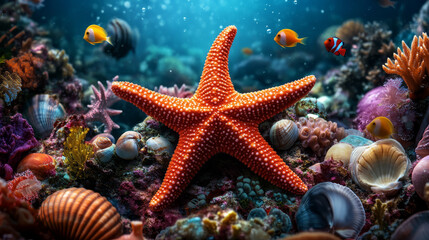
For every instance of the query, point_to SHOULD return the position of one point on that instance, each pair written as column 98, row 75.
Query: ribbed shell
column 379, row 166
column 283, row 134
column 329, row 206
column 42, row 112
column 78, row 213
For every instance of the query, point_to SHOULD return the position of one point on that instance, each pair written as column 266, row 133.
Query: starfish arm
column 190, row 154
column 252, row 150
column 264, row 104
column 175, row 113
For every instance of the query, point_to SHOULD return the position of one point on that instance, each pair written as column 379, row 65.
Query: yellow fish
column 288, row 38
column 381, row 127
column 96, row 34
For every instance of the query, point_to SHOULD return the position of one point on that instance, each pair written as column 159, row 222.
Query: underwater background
column 314, row 145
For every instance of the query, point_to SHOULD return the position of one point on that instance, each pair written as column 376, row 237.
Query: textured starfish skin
column 218, row 119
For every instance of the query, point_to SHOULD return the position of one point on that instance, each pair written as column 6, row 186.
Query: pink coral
column 319, row 134
column 99, row 107
column 183, row 92
column 390, row 101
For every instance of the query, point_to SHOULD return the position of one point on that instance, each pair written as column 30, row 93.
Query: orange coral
column 413, row 66
column 28, row 67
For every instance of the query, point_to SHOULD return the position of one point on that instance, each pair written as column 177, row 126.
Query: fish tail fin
column 108, row 40
column 303, row 40
column 342, row 51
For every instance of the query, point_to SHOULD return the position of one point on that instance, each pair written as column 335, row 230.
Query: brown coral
column 349, row 30
column 319, row 134
column 10, row 86
column 413, row 66
column 28, row 67
column 58, row 64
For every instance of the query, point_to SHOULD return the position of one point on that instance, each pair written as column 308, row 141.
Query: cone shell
column 331, row 207
column 78, row 213
column 283, row 134
column 42, row 112
column 379, row 166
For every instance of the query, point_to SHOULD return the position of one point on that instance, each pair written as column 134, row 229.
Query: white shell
column 127, row 146
column 105, row 155
column 159, row 145
column 283, row 134
column 340, row 152
column 42, row 112
column 379, row 166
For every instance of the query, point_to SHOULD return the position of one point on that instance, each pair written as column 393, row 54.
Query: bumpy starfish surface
column 218, row 119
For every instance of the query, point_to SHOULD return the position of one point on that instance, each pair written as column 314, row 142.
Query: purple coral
column 390, row 101
column 183, row 92
column 16, row 138
column 99, row 107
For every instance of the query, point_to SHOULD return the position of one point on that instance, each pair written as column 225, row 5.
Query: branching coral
column 77, row 152
column 183, row 92
column 319, row 134
column 11, row 43
column 413, row 66
column 378, row 213
column 99, row 107
column 10, row 86
column 28, row 67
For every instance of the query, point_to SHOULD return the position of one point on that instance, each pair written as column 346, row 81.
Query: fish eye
column 278, row 35
column 87, row 33
column 373, row 123
column 329, row 39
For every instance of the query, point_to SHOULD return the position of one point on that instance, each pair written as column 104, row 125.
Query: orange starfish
column 218, row 119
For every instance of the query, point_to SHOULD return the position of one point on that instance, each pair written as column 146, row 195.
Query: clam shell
column 78, row 213
column 42, row 112
column 331, row 207
column 414, row 228
column 379, row 166
column 283, row 134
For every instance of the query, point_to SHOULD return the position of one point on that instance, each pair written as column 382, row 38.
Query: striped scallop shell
column 379, row 166
column 78, row 213
column 283, row 134
column 42, row 112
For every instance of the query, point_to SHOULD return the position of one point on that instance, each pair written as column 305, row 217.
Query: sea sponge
column 29, row 68
column 413, row 66
column 319, row 134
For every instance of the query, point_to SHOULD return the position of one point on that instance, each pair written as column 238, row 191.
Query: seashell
column 127, row 146
column 159, row 145
column 136, row 232
column 420, row 176
column 105, row 155
column 108, row 135
column 78, row 213
column 331, row 207
column 414, row 228
column 283, row 134
column 379, row 166
column 312, row 236
column 42, row 112
column 340, row 152
column 100, row 142
column 42, row 165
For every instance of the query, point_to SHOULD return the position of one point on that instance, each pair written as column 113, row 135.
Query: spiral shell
column 78, row 213
column 283, row 134
column 331, row 207
column 42, row 112
column 379, row 166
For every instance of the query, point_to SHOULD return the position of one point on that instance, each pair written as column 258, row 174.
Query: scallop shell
column 414, row 228
column 283, row 134
column 78, row 213
column 331, row 207
column 379, row 166
column 42, row 112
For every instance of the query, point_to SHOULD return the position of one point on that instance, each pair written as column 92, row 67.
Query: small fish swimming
column 96, row 34
column 288, row 38
column 335, row 45
column 381, row 127
column 247, row 51
column 386, row 3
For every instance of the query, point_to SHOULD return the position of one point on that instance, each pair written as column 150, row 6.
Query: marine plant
column 10, row 86
column 413, row 66
column 378, row 213
column 77, row 152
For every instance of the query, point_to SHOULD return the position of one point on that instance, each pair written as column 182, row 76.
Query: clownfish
column 335, row 45
column 288, row 38
column 96, row 34
column 381, row 127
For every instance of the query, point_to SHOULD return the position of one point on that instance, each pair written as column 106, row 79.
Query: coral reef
column 348, row 30
column 77, row 152
column 24, row 186
column 319, row 134
column 11, row 43
column 10, row 86
column 413, row 66
column 58, row 64
column 183, row 92
column 16, row 138
column 29, row 69
column 390, row 101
